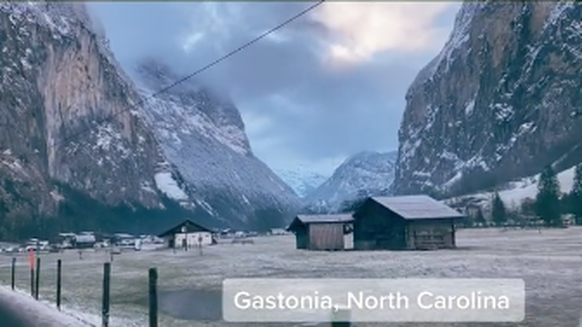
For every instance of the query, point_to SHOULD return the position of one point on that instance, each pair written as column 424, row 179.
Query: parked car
column 12, row 249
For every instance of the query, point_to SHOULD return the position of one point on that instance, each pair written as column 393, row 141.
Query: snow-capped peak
column 301, row 180
column 366, row 172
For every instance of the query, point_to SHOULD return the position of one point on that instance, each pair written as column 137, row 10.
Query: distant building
column 321, row 232
column 66, row 240
column 82, row 241
column 415, row 222
column 278, row 231
column 187, row 234
column 124, row 239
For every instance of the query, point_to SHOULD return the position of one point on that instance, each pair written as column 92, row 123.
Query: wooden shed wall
column 302, row 237
column 431, row 234
column 326, row 236
column 377, row 228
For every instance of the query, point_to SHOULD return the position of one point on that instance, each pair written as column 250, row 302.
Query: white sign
column 374, row 300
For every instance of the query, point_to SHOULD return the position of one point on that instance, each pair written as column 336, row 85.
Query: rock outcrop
column 499, row 102
column 82, row 147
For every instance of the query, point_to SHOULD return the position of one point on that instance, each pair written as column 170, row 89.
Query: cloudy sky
column 322, row 88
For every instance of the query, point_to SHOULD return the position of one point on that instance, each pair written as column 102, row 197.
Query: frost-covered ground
column 39, row 313
column 550, row 262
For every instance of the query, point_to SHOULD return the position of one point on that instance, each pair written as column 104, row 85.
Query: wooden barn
column 415, row 222
column 187, row 234
column 321, row 232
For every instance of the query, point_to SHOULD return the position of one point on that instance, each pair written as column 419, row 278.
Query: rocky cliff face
column 363, row 174
column 58, row 79
column 76, row 148
column 499, row 102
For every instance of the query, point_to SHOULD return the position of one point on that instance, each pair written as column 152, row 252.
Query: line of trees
column 549, row 204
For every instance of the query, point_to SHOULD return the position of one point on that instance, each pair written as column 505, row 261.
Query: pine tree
column 480, row 218
column 548, row 198
column 527, row 207
column 498, row 211
column 575, row 198
column 351, row 205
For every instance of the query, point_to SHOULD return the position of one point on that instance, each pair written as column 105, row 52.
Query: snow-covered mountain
column 58, row 79
column 301, row 180
column 81, row 147
column 499, row 102
column 203, row 135
column 364, row 174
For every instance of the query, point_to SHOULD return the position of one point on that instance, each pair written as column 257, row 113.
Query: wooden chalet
column 321, row 232
column 415, row 222
column 187, row 234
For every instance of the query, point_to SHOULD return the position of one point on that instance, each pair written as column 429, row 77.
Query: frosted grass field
column 550, row 263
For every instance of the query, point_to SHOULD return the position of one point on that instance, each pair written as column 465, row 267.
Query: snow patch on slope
column 515, row 192
column 167, row 184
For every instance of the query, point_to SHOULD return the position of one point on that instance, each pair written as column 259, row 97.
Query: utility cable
column 204, row 68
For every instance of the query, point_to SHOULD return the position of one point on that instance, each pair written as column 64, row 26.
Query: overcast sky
column 324, row 87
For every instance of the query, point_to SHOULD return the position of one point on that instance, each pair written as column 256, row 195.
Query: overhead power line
column 204, row 68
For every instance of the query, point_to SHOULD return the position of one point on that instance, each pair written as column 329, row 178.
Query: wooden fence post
column 341, row 317
column 106, row 285
column 153, row 279
column 32, row 281
column 13, row 272
column 37, row 281
column 59, row 267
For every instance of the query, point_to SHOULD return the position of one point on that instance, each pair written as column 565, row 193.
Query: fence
column 35, row 279
column 35, row 282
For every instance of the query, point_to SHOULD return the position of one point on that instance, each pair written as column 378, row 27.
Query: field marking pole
column 37, row 281
column 59, row 267
column 13, row 272
column 340, row 317
column 31, row 258
column 106, row 285
column 153, row 298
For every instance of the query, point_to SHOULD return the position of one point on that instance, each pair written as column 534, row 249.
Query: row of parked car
column 33, row 244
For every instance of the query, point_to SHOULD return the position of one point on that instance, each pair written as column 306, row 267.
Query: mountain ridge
column 77, row 150
column 201, row 131
column 363, row 174
column 301, row 180
column 496, row 103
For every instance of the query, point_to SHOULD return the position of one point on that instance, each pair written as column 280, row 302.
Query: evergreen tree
column 575, row 196
column 527, row 207
column 480, row 218
column 548, row 198
column 267, row 218
column 498, row 211
column 351, row 205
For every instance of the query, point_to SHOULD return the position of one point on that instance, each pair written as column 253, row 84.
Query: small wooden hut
column 321, row 232
column 415, row 222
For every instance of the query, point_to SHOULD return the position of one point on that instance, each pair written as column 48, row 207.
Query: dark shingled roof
column 417, row 207
column 191, row 227
column 319, row 219
column 313, row 219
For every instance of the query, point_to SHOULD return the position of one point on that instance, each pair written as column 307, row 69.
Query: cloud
column 326, row 86
column 362, row 30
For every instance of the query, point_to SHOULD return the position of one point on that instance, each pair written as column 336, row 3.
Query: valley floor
column 550, row 262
